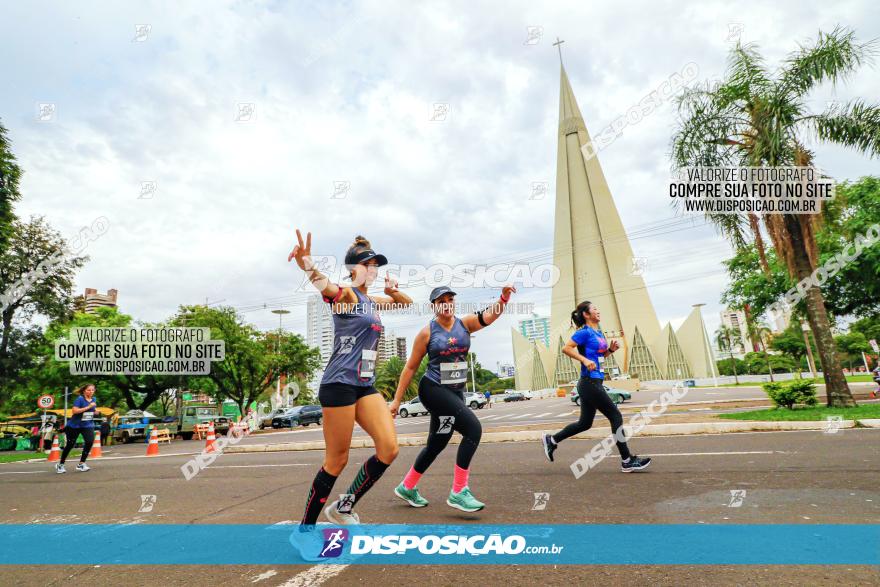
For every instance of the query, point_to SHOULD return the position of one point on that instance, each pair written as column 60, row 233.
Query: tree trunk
column 836, row 388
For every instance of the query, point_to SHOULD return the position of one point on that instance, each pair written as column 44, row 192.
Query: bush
column 790, row 393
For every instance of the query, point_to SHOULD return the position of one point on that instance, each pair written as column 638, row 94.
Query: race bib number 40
column 453, row 373
column 368, row 364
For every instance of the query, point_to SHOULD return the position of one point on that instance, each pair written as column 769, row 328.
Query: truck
column 191, row 415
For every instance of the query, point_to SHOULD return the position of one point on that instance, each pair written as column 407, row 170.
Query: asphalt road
column 789, row 477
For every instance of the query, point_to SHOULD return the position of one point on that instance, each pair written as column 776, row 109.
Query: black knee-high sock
column 321, row 488
column 368, row 474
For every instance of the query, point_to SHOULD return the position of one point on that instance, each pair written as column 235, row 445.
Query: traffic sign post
column 45, row 402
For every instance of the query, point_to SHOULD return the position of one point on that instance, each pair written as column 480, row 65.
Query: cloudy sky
column 246, row 117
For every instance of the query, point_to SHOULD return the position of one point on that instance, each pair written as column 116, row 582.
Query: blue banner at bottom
column 524, row 544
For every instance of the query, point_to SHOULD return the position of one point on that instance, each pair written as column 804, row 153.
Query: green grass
column 856, row 378
column 851, row 378
column 23, row 455
column 802, row 414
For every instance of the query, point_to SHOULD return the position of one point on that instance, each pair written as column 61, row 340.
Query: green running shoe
column 410, row 496
column 465, row 501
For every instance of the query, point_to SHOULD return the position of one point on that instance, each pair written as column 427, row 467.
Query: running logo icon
column 446, row 424
column 346, row 344
column 737, row 496
column 147, row 503
column 346, row 502
column 334, row 541
column 541, row 500
column 833, row 424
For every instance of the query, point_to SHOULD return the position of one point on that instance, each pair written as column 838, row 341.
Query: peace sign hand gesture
column 302, row 252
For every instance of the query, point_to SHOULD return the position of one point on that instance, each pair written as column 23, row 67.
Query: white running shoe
column 83, row 467
column 59, row 468
column 341, row 518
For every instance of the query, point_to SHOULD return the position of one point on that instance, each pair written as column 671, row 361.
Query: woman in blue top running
column 346, row 392
column 446, row 341
column 81, row 422
column 589, row 348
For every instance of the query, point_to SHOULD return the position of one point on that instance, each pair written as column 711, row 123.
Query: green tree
column 855, row 288
column 253, row 359
column 791, row 343
column 10, row 175
column 388, row 376
column 851, row 345
column 36, row 278
column 134, row 392
column 727, row 339
column 758, row 118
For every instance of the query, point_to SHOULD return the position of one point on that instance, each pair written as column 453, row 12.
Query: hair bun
column 362, row 241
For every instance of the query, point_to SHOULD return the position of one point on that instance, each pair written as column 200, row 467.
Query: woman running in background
column 81, row 422
column 589, row 348
column 446, row 341
column 346, row 392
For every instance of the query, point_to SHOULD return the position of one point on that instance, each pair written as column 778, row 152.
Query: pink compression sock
column 460, row 479
column 412, row 478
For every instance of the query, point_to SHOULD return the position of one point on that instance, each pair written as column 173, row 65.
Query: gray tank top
column 447, row 354
column 355, row 341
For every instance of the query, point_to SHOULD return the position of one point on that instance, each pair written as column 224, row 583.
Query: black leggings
column 88, row 435
column 444, row 402
column 593, row 397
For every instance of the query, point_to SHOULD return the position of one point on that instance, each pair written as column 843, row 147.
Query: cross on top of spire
column 558, row 45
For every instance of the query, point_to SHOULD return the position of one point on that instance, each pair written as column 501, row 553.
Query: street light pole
column 281, row 313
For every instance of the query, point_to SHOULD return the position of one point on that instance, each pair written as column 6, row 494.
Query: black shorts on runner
column 337, row 395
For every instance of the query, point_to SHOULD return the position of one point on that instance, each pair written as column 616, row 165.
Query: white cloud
column 345, row 92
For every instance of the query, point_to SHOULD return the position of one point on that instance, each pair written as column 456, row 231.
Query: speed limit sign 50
column 46, row 401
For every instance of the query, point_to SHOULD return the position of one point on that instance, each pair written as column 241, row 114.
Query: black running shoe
column 549, row 447
column 635, row 464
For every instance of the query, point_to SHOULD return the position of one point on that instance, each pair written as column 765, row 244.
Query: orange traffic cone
column 153, row 447
column 96, row 448
column 209, row 441
column 55, row 453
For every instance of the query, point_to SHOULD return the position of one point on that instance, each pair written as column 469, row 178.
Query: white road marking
column 21, row 472
column 314, row 576
column 521, row 416
column 266, row 575
column 544, row 414
column 704, row 454
column 255, row 466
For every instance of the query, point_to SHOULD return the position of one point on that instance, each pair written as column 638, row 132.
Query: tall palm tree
column 756, row 117
column 726, row 338
column 760, row 334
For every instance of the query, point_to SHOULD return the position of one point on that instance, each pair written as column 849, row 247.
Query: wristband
column 503, row 301
column 309, row 264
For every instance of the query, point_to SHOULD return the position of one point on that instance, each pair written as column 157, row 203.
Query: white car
column 413, row 407
column 474, row 400
column 527, row 393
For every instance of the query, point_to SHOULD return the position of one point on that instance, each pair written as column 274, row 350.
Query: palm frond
column 855, row 125
column 834, row 56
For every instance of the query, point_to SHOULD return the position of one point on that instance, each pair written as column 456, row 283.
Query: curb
column 535, row 435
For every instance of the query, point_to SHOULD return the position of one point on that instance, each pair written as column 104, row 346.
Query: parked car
column 514, row 397
column 193, row 415
column 132, row 426
column 413, row 407
column 300, row 415
column 618, row 396
column 266, row 421
column 526, row 393
column 474, row 400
